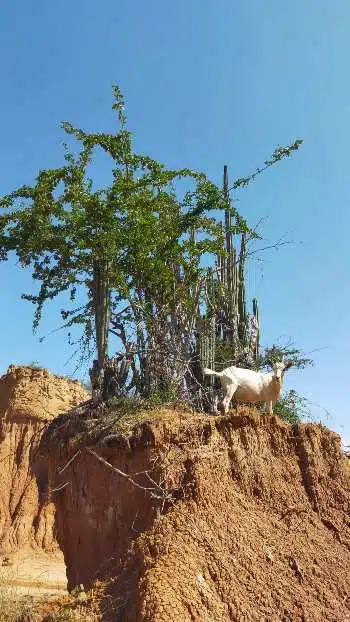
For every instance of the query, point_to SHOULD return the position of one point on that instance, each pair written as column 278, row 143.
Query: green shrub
column 292, row 407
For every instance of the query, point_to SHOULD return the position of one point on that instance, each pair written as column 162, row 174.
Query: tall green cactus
column 227, row 333
column 243, row 320
column 255, row 332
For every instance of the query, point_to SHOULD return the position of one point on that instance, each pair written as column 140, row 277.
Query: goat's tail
column 210, row 372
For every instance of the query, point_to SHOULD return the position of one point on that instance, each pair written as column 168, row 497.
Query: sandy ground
column 34, row 573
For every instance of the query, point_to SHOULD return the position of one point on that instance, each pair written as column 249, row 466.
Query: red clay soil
column 245, row 518
column 29, row 399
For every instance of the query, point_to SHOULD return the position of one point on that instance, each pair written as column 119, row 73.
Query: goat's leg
column 268, row 408
column 229, row 392
column 215, row 405
column 234, row 404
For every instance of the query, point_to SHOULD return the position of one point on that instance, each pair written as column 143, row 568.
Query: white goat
column 247, row 386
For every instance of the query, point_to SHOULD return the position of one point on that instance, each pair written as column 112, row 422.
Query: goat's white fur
column 245, row 385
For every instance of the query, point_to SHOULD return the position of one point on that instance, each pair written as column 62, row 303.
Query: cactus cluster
column 227, row 334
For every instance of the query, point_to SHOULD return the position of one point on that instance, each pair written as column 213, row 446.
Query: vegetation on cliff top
column 133, row 258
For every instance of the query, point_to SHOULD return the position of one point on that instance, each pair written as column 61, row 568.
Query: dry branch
column 155, row 491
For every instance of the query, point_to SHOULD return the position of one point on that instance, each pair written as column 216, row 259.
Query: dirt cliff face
column 239, row 518
column 29, row 398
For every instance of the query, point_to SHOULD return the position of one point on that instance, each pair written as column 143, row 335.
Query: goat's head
column 277, row 370
column 279, row 367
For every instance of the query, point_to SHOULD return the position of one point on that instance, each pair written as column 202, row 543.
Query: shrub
column 292, row 407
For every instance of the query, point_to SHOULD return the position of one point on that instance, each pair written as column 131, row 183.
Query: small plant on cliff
column 292, row 407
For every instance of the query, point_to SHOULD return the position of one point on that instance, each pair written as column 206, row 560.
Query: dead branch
column 60, row 487
column 155, row 491
column 60, row 471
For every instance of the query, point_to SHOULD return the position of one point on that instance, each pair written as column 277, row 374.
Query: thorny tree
column 135, row 248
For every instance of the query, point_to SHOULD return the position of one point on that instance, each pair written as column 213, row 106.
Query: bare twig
column 61, row 487
column 69, row 462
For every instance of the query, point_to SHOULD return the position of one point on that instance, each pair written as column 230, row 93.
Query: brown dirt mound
column 241, row 518
column 29, row 398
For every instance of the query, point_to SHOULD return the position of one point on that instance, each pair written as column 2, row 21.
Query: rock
column 29, row 398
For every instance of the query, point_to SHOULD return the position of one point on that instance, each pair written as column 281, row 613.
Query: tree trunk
column 101, row 304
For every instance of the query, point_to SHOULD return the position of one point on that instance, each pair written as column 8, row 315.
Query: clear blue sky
column 206, row 84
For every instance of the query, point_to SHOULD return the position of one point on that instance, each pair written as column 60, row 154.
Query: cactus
column 255, row 330
column 243, row 321
column 227, row 332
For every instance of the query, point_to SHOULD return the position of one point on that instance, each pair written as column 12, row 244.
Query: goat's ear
column 288, row 365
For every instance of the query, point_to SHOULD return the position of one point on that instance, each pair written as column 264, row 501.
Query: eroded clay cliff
column 29, row 399
column 240, row 518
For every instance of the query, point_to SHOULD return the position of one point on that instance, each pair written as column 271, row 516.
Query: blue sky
column 206, row 84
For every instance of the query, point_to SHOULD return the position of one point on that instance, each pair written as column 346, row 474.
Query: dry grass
column 17, row 607
column 69, row 611
column 12, row 606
